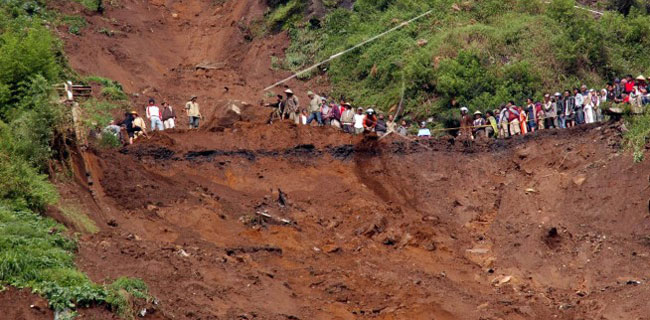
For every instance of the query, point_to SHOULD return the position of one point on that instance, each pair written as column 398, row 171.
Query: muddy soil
column 250, row 221
column 553, row 225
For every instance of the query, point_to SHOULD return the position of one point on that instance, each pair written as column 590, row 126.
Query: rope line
column 336, row 55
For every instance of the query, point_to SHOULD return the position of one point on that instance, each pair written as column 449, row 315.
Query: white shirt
column 153, row 111
column 358, row 121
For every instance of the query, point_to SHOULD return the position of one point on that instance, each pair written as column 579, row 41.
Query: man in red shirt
column 629, row 85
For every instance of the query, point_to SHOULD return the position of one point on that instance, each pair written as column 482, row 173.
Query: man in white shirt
column 154, row 114
column 358, row 121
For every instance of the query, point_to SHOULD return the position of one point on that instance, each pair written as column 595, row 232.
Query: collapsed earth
column 242, row 219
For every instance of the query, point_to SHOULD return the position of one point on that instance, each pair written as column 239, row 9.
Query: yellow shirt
column 192, row 109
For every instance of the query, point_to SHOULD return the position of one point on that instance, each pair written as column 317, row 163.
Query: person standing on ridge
column 291, row 107
column 168, row 116
column 193, row 112
column 277, row 109
column 466, row 123
column 347, row 118
column 315, row 102
column 154, row 114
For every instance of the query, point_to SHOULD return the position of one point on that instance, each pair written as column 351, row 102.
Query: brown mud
column 551, row 225
column 251, row 221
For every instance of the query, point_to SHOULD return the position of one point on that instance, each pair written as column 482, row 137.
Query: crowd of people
column 160, row 118
column 560, row 110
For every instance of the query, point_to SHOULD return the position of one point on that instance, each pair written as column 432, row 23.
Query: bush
column 481, row 55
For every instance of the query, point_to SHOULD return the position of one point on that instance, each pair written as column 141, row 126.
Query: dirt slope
column 553, row 225
column 171, row 49
column 548, row 226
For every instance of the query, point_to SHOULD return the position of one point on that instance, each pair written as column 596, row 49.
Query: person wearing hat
column 314, row 108
column 479, row 124
column 130, row 125
column 139, row 122
column 154, row 115
column 347, row 118
column 359, row 117
column 193, row 112
column 291, row 107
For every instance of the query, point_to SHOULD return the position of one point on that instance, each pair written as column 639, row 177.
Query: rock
column 579, row 179
column 112, row 223
column 183, row 253
column 455, row 7
column 175, row 15
column 530, row 190
column 331, row 248
column 39, row 305
column 422, row 42
column 478, row 250
column 499, row 281
column 151, row 207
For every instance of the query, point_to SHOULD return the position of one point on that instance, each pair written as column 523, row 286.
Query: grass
column 35, row 253
column 638, row 135
column 78, row 218
column 75, row 24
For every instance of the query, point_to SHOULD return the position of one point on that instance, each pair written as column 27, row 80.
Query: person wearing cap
column 168, row 116
column 315, row 102
column 358, row 121
column 370, row 120
column 154, row 115
column 291, row 107
column 347, row 118
column 424, row 132
column 193, row 112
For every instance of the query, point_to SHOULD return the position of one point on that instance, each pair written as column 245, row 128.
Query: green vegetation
column 35, row 251
column 476, row 53
column 75, row 215
column 75, row 24
column 93, row 5
column 638, row 135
